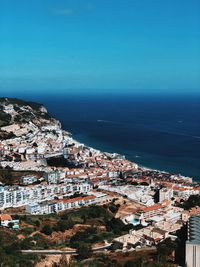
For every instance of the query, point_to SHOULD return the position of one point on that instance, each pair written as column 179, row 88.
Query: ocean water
column 159, row 132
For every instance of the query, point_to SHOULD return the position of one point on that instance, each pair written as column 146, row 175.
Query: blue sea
column 159, row 132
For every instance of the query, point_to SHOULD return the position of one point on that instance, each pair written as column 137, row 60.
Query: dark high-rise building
column 193, row 242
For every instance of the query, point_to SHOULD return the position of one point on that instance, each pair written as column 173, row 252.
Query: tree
column 37, row 223
column 100, row 259
column 132, row 264
column 165, row 248
column 84, row 251
column 193, row 201
column 113, row 208
column 156, row 196
column 116, row 245
column 64, row 225
column 84, row 218
column 144, row 184
column 134, row 183
column 46, row 229
column 115, row 225
column 10, row 224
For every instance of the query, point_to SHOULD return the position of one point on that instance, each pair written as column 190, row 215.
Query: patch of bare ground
column 122, row 258
column 49, row 260
column 127, row 206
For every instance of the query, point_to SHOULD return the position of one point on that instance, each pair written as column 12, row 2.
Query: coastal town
column 45, row 171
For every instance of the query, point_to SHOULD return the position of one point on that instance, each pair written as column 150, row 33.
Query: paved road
column 48, row 251
column 55, row 251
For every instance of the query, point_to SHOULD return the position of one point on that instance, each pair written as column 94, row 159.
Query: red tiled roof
column 151, row 208
column 76, row 199
column 20, row 236
column 5, row 217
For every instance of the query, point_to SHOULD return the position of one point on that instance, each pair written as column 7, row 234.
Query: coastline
column 150, row 130
column 142, row 167
column 84, row 130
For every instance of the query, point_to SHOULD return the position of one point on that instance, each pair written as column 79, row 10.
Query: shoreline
column 195, row 177
column 145, row 168
column 186, row 162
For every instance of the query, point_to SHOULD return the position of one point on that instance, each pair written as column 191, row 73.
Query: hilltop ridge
column 13, row 110
column 29, row 135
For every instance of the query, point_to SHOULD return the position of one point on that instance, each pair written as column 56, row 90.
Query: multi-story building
column 26, row 180
column 185, row 192
column 165, row 194
column 16, row 196
column 148, row 212
column 193, row 242
column 58, row 205
column 55, row 177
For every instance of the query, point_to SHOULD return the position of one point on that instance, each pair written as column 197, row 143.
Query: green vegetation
column 6, row 176
column 89, row 236
column 10, row 254
column 5, row 118
column 23, row 116
column 100, row 221
column 47, row 230
column 99, row 224
column 5, row 135
column 20, row 102
column 165, row 249
column 192, row 201
column 35, row 242
column 84, row 251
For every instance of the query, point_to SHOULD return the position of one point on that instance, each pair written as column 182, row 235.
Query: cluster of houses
column 33, row 143
column 153, row 222
column 157, row 222
column 140, row 194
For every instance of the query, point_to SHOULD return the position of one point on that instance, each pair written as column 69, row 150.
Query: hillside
column 13, row 110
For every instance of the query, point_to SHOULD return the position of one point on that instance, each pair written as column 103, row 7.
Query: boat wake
column 106, row 121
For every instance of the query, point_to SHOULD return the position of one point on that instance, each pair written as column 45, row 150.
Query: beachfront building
column 193, row 242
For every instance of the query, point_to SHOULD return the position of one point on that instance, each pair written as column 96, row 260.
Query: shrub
column 46, row 229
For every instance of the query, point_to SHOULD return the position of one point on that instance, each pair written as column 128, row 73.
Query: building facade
column 193, row 242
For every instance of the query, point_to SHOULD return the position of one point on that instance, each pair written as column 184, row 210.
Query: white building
column 60, row 205
column 16, row 196
column 26, row 180
column 55, row 177
column 165, row 194
column 6, row 220
column 185, row 192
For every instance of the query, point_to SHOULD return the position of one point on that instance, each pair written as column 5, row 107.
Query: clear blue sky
column 100, row 45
